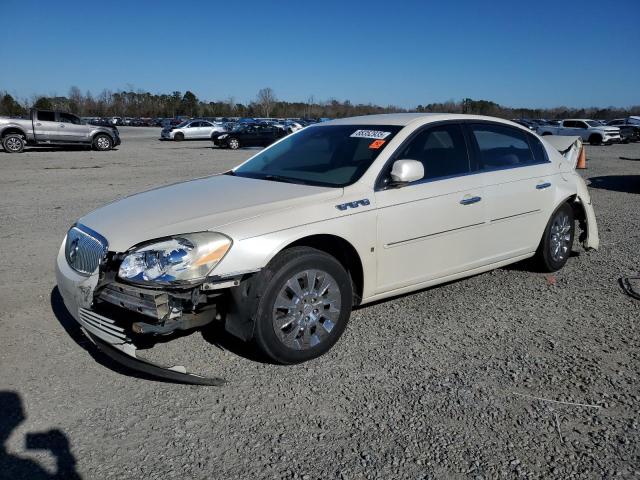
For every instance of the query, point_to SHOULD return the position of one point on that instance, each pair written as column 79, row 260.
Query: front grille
column 85, row 249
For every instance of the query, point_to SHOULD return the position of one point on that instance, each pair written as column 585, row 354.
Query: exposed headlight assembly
column 178, row 260
column 224, row 135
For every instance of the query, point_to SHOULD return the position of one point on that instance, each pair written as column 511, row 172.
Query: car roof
column 404, row 119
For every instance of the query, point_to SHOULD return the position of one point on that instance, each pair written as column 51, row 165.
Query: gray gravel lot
column 436, row 384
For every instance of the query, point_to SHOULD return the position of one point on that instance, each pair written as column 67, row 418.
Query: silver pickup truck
column 49, row 128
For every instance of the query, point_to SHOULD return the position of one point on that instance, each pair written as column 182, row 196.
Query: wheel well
column 11, row 130
column 579, row 214
column 342, row 251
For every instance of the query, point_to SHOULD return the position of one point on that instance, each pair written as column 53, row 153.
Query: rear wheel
column 102, row 142
column 595, row 139
column 555, row 246
column 304, row 306
column 13, row 143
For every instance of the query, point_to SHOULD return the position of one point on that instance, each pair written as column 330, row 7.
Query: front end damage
column 123, row 319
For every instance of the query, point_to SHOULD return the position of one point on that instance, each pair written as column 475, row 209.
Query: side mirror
column 406, row 171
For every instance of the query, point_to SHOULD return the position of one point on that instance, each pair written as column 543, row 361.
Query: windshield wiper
column 278, row 178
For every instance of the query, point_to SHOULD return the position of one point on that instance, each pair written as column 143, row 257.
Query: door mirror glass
column 406, row 171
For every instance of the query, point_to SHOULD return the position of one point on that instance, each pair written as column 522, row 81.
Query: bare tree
column 266, row 100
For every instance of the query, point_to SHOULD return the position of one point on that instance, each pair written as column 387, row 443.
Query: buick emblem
column 73, row 250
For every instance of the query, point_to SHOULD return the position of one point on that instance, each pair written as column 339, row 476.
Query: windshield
column 183, row 124
column 593, row 123
column 333, row 156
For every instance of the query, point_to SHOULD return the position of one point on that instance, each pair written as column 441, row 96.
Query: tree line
column 266, row 104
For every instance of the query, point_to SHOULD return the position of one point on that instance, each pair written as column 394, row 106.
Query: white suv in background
column 191, row 130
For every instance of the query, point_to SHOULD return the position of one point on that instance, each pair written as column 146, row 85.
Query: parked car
column 52, row 128
column 343, row 213
column 191, row 130
column 629, row 129
column 589, row 130
column 249, row 135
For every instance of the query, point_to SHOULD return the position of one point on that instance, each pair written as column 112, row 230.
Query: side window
column 194, row 124
column 68, row 118
column 46, row 116
column 539, row 152
column 441, row 150
column 569, row 124
column 501, row 146
column 581, row 125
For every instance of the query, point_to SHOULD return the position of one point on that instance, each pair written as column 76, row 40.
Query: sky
column 576, row 53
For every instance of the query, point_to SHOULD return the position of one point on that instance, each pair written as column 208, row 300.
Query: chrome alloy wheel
column 13, row 144
column 306, row 309
column 234, row 144
column 103, row 143
column 560, row 236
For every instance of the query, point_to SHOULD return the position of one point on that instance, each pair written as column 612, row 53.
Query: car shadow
column 617, row 183
column 216, row 335
column 53, row 441
column 75, row 332
column 70, row 148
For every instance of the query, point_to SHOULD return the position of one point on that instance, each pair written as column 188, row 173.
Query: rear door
column 71, row 129
column 45, row 126
column 519, row 184
column 434, row 227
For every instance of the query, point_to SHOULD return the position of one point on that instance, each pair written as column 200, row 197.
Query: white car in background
column 191, row 130
column 590, row 131
column 339, row 214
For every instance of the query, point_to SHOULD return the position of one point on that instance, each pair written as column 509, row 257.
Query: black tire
column 178, row 137
column 102, row 142
column 546, row 258
column 595, row 139
column 233, row 143
column 13, row 143
column 306, row 321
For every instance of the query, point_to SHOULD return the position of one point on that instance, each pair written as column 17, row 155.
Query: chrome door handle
column 542, row 186
column 61, row 126
column 38, row 124
column 469, row 201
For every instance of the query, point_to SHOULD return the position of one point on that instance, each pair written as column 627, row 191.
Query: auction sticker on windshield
column 374, row 134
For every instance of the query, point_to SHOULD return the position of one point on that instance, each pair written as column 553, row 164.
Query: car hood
column 209, row 203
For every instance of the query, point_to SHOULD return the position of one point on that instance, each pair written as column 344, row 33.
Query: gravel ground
column 436, row 384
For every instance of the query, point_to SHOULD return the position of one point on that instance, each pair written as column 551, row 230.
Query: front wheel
column 13, row 143
column 595, row 139
column 304, row 306
column 102, row 143
column 233, row 144
column 555, row 246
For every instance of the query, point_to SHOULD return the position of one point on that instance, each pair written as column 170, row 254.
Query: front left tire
column 304, row 306
column 13, row 143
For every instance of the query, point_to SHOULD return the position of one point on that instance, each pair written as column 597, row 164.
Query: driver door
column 436, row 226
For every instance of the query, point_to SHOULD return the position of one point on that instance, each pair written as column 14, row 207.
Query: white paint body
column 407, row 238
column 580, row 128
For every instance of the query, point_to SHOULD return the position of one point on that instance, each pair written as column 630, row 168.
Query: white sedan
column 339, row 214
column 191, row 130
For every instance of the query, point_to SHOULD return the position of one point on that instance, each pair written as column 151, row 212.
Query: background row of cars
column 244, row 132
column 596, row 132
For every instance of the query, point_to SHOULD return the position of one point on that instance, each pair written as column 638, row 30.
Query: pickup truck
column 591, row 131
column 52, row 128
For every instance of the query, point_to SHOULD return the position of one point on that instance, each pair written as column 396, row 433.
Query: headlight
column 181, row 259
column 224, row 135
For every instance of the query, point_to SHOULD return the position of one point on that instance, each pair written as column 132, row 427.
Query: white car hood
column 208, row 203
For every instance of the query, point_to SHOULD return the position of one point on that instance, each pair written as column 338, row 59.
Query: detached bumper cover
column 113, row 340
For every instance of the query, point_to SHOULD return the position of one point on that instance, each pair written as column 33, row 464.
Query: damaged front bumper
column 118, row 318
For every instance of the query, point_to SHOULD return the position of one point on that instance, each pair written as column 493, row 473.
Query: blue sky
column 518, row 53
